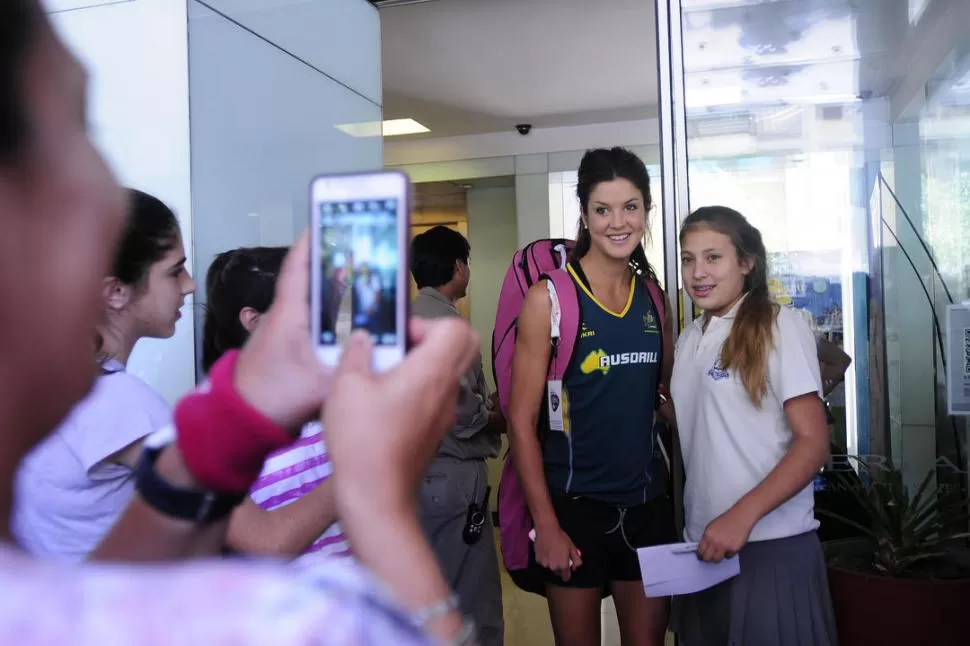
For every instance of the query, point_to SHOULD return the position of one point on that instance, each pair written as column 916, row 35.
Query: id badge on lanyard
column 554, row 404
column 554, row 400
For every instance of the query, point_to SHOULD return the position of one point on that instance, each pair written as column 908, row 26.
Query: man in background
column 454, row 506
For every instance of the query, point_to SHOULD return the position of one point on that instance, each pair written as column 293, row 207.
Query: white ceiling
column 472, row 66
column 476, row 66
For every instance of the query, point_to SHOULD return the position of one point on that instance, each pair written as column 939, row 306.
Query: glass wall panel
column 135, row 55
column 942, row 217
column 784, row 111
column 839, row 128
column 261, row 130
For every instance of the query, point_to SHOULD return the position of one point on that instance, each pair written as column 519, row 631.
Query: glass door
column 811, row 119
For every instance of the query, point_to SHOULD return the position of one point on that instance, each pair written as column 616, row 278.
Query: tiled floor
column 527, row 619
column 526, row 616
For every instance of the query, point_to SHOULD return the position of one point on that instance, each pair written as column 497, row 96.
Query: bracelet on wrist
column 423, row 616
column 443, row 608
column 467, row 636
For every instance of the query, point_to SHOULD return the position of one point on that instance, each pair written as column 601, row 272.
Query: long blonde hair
column 751, row 339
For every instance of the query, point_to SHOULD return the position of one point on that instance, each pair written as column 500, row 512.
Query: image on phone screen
column 359, row 265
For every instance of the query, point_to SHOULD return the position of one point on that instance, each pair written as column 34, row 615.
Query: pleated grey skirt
column 781, row 598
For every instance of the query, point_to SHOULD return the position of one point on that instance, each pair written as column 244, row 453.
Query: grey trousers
column 449, row 487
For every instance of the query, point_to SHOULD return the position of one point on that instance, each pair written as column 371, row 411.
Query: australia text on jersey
column 599, row 360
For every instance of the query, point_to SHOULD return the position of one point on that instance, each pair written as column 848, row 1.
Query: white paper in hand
column 675, row 569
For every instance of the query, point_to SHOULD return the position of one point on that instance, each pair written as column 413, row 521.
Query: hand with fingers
column 725, row 535
column 383, row 429
column 493, row 402
column 555, row 551
column 278, row 371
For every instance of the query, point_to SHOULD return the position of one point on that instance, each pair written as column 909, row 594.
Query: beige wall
column 492, row 234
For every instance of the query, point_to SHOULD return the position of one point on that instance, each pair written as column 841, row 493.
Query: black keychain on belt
column 475, row 520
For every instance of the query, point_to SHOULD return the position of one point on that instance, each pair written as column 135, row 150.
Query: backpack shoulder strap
column 657, row 296
column 564, row 320
column 660, row 304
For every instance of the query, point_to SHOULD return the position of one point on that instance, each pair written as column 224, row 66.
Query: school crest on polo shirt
column 717, row 371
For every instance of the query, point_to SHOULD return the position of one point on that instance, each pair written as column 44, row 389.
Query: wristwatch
column 196, row 505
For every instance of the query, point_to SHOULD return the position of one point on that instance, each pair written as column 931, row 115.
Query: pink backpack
column 540, row 259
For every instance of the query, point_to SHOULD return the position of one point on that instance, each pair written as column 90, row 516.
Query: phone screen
column 359, row 264
column 360, row 229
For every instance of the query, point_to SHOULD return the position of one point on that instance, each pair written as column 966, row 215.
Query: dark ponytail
column 605, row 165
column 236, row 279
column 641, row 266
column 583, row 242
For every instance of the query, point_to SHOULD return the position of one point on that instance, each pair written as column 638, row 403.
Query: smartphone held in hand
column 360, row 228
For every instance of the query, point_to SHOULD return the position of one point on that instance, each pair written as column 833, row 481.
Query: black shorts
column 608, row 538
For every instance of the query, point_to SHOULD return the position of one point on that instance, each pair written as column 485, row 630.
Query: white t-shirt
column 67, row 496
column 729, row 445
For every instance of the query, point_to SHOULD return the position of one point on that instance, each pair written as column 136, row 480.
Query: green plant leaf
column 883, row 512
column 938, row 515
column 906, row 530
column 946, row 539
column 921, row 490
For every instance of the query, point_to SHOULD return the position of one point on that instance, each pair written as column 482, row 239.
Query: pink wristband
column 222, row 438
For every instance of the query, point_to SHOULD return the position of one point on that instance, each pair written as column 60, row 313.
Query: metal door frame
column 674, row 184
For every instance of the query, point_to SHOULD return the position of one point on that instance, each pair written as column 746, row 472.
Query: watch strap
column 198, row 506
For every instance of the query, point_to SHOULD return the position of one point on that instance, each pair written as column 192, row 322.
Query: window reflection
column 857, row 172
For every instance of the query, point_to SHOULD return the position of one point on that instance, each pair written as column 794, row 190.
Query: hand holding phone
column 360, row 226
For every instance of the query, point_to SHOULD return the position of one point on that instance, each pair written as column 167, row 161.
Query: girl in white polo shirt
column 747, row 394
column 73, row 486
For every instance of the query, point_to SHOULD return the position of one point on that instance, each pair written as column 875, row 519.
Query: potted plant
column 906, row 581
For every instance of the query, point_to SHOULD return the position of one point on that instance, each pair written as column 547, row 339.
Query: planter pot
column 882, row 611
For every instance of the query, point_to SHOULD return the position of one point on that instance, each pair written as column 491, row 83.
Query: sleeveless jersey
column 605, row 451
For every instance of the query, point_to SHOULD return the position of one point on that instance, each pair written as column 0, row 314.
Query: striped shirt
column 293, row 472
